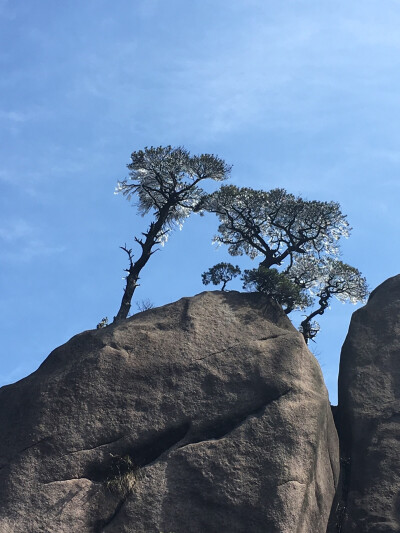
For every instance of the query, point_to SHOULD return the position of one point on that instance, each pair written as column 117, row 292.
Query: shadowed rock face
column 369, row 416
column 205, row 415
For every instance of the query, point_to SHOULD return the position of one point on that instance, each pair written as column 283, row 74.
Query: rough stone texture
column 369, row 416
column 215, row 398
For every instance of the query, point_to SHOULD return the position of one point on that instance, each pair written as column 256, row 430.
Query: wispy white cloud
column 22, row 242
column 5, row 176
column 389, row 155
column 14, row 116
column 28, row 251
column 280, row 69
column 19, row 176
column 15, row 230
column 52, row 162
column 274, row 67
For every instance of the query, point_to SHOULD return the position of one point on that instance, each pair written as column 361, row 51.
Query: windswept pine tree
column 297, row 242
column 165, row 182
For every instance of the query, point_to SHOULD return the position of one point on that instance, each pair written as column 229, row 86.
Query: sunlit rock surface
column 369, row 417
column 205, row 415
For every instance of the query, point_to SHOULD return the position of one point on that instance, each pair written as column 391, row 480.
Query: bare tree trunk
column 151, row 239
column 130, row 287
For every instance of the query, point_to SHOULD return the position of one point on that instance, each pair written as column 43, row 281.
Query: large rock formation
column 206, row 415
column 369, row 417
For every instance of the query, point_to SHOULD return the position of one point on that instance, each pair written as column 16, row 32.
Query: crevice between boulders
column 339, row 505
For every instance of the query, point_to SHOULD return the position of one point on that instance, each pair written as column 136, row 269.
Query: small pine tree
column 220, row 273
column 277, row 286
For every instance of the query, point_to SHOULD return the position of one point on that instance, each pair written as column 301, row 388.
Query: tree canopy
column 296, row 240
column 275, row 224
column 220, row 273
column 327, row 278
column 299, row 237
column 276, row 285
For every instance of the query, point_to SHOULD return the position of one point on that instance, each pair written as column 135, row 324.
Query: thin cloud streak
column 30, row 251
column 21, row 243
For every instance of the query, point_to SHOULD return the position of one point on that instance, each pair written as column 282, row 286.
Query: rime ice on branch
column 297, row 236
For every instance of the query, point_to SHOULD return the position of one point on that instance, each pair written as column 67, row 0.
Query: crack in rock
column 65, row 480
column 44, row 439
column 224, row 426
column 148, row 451
column 218, row 352
column 158, row 444
column 291, row 481
column 102, row 525
column 335, row 481
column 95, row 447
column 153, row 448
column 274, row 336
column 271, row 337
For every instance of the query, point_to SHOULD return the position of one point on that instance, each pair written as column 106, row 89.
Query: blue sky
column 303, row 95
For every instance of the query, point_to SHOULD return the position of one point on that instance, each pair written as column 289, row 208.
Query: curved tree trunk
column 151, row 239
column 306, row 323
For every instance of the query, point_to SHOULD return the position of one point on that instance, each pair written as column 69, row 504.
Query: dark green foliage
column 220, row 273
column 276, row 285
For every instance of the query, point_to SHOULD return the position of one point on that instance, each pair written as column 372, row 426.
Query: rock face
column 205, row 415
column 369, row 416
